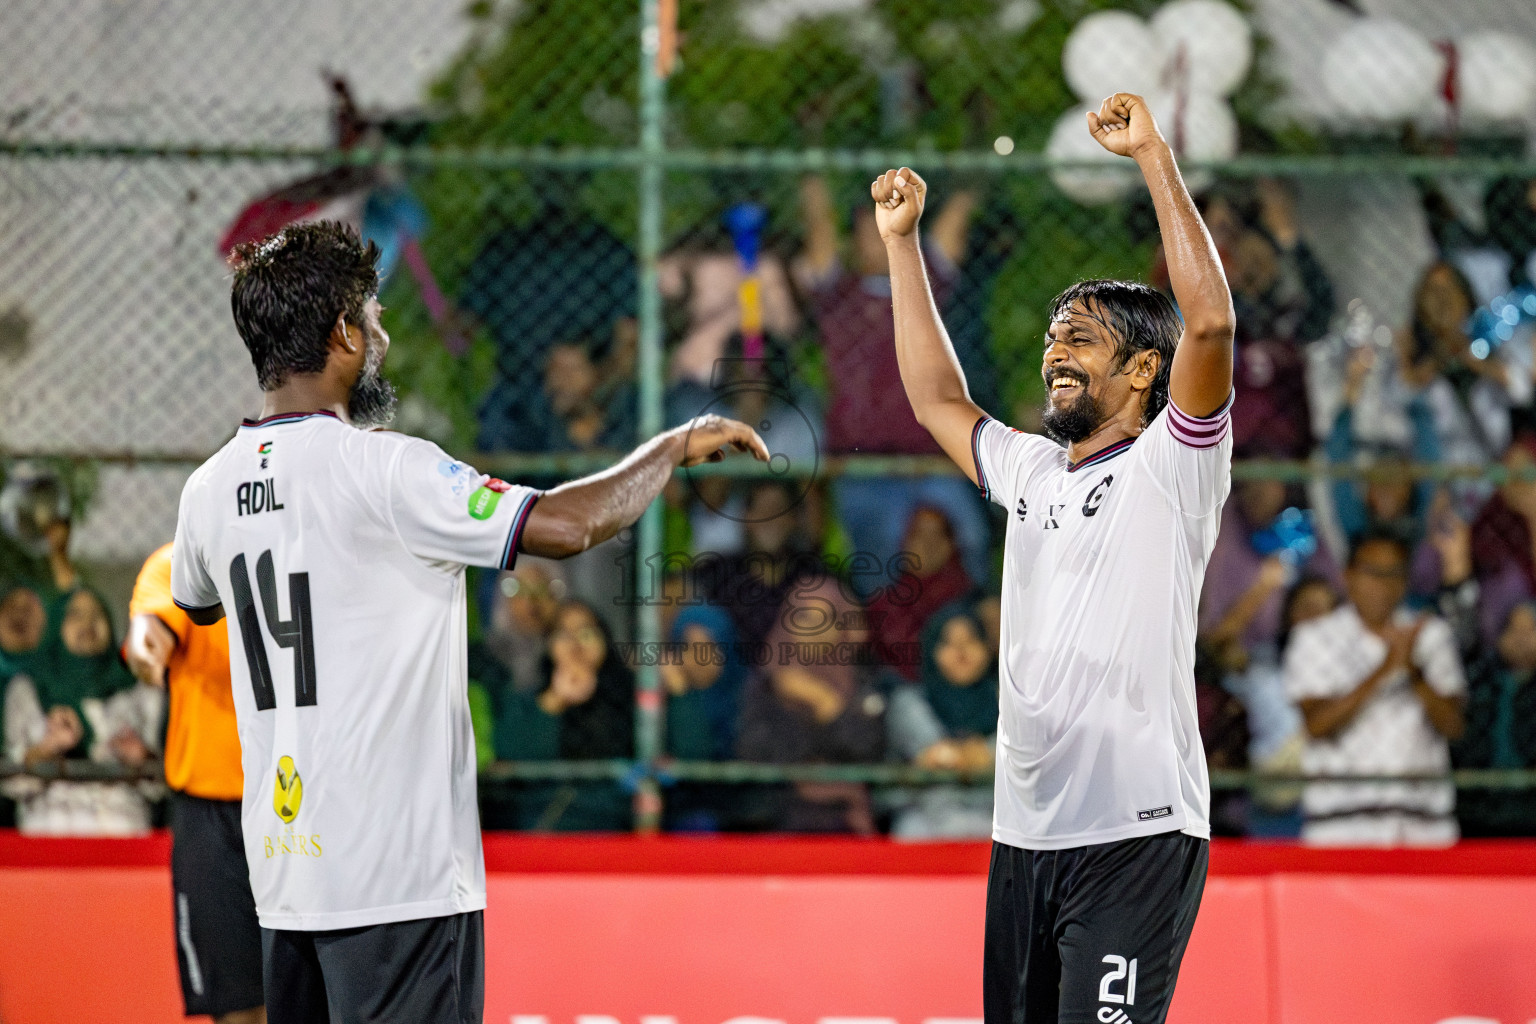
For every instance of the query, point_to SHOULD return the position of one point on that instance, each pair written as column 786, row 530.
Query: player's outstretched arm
column 930, row 373
column 583, row 513
column 1201, row 380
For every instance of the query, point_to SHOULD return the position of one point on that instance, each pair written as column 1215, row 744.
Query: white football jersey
column 338, row 555
column 1098, row 735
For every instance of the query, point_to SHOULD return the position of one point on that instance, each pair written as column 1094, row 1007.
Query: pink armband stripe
column 981, row 476
column 1201, row 431
column 515, row 536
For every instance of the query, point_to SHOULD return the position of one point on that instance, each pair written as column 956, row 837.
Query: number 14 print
column 297, row 632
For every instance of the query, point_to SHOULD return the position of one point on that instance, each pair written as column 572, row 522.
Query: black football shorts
column 218, row 940
column 1092, row 934
column 429, row 971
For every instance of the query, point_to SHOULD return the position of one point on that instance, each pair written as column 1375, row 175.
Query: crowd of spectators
column 68, row 694
column 1357, row 619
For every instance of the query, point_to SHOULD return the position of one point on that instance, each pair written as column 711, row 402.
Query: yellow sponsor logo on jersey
column 289, row 792
column 291, row 844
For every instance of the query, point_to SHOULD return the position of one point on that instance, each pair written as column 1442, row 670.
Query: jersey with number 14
column 338, row 556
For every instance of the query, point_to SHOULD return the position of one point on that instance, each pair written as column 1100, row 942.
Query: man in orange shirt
column 218, row 940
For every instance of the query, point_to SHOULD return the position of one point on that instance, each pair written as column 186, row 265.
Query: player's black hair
column 1139, row 317
column 1381, row 534
column 290, row 287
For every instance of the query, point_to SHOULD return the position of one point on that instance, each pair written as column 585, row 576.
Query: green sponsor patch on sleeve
column 483, row 502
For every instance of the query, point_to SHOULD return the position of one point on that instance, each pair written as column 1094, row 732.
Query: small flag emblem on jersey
column 265, row 449
column 289, row 792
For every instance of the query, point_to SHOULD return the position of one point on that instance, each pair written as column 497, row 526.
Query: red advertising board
column 1404, row 949
column 582, row 949
column 662, row 932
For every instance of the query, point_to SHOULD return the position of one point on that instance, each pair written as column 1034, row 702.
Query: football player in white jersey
column 339, row 555
column 1101, row 829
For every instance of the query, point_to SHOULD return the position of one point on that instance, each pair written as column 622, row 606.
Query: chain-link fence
column 600, row 217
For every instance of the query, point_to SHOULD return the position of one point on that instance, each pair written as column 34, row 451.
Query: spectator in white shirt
column 1380, row 688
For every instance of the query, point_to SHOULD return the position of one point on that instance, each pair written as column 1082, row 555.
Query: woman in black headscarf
column 948, row 720
column 816, row 702
column 72, row 697
column 584, row 711
column 1501, row 729
column 703, row 681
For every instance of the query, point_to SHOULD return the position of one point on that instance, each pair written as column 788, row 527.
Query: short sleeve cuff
column 194, row 607
column 981, row 474
column 1201, row 431
column 195, row 612
column 515, row 535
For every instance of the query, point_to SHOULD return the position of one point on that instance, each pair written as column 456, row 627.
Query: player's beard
column 1077, row 421
column 372, row 401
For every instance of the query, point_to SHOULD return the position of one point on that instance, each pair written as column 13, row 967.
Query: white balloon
column 769, row 21
column 1091, row 186
column 1199, row 127
column 1110, row 52
column 1216, row 40
column 1382, row 70
column 1496, row 77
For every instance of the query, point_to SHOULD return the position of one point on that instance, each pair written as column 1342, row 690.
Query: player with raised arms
column 1101, row 829
column 338, row 553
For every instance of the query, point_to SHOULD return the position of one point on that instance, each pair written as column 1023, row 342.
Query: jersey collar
column 287, row 417
column 1103, row 455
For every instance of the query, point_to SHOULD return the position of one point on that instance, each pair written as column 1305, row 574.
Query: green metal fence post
column 648, row 721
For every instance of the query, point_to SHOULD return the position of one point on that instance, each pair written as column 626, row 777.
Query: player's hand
column 1124, row 125
column 708, row 438
column 148, row 649
column 899, row 197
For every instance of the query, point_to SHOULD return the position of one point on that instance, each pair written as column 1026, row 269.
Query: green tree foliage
column 916, row 75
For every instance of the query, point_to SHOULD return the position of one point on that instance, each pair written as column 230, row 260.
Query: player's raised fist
column 1124, row 125
column 708, row 438
column 899, row 196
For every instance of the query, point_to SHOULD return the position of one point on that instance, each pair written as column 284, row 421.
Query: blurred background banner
column 602, row 217
column 584, row 931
